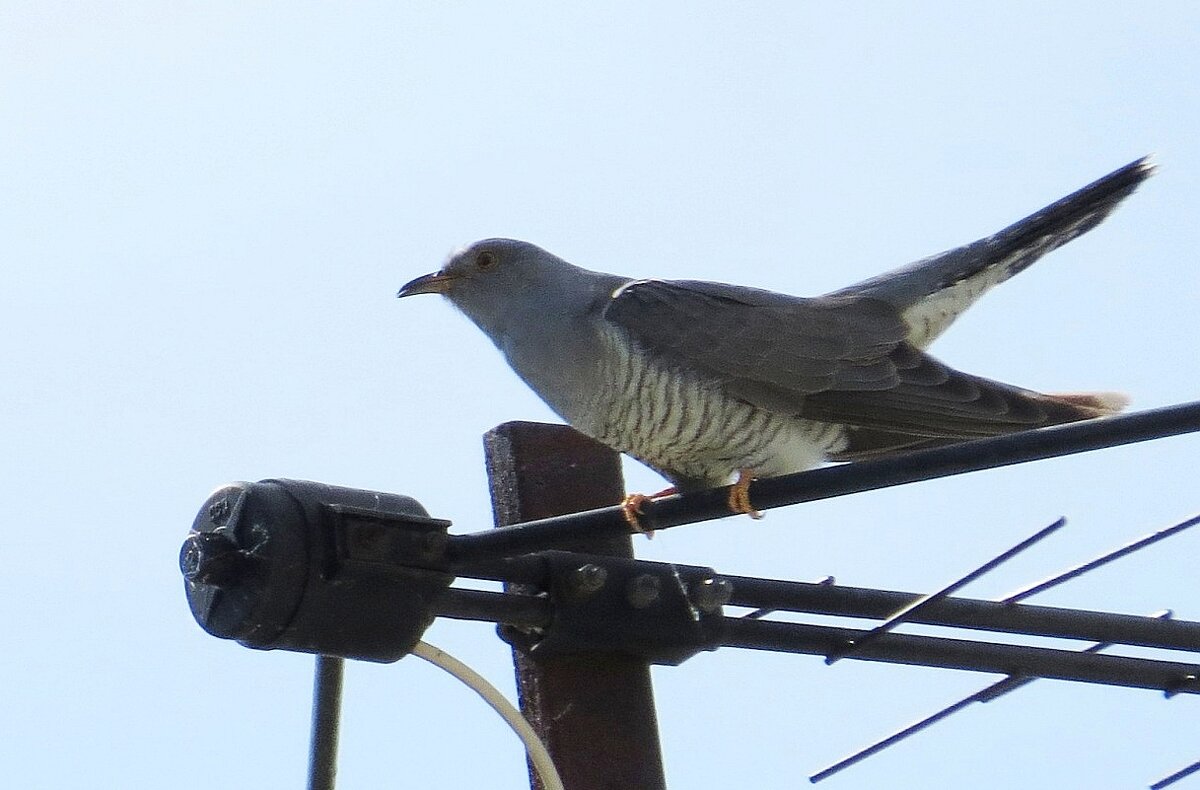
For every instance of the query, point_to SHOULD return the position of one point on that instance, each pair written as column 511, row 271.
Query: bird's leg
column 631, row 508
column 739, row 495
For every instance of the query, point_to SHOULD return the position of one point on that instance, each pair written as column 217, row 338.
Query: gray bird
column 703, row 381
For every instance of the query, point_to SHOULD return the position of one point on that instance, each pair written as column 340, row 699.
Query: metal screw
column 710, row 595
column 211, row 558
column 643, row 590
column 588, row 579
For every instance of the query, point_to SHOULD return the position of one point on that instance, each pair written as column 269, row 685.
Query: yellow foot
column 632, row 507
column 739, row 495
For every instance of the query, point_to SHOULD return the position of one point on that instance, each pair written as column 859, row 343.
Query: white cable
column 538, row 754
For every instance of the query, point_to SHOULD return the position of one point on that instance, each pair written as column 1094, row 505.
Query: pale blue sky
column 208, row 207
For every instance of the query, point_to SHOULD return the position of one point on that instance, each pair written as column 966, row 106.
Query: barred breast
column 688, row 428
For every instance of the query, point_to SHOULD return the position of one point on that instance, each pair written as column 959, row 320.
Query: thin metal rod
column 986, row 694
column 836, row 481
column 522, row 611
column 913, row 610
column 1167, row 781
column 326, row 715
column 1009, row 683
column 973, row 613
column 1103, row 559
column 1002, row 659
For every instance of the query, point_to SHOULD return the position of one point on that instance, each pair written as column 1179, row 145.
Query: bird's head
column 499, row 283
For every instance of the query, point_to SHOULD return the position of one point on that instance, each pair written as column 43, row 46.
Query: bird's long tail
column 934, row 291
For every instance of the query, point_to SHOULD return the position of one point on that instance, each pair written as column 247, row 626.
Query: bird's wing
column 934, row 291
column 842, row 360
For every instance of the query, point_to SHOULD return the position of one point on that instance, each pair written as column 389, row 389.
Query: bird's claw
column 739, row 496
column 633, row 506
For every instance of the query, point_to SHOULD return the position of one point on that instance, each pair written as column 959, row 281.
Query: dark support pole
column 327, row 710
column 594, row 713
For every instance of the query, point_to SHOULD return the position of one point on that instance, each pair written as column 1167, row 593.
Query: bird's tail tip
column 1098, row 404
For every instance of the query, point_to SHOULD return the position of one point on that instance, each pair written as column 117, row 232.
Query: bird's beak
column 436, row 283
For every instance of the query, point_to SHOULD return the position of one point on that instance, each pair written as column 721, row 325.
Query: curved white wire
column 538, row 754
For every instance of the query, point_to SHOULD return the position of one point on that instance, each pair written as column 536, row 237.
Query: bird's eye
column 485, row 260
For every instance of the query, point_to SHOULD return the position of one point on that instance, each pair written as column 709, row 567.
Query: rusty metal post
column 595, row 713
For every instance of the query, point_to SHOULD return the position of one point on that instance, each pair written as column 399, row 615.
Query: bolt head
column 588, row 579
column 643, row 590
column 710, row 595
